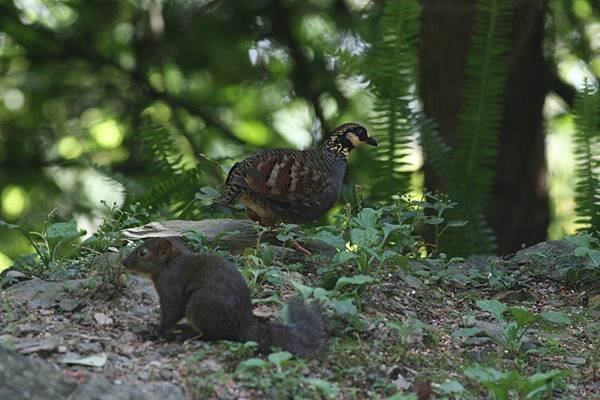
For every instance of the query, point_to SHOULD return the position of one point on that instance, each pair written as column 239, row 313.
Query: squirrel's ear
column 166, row 250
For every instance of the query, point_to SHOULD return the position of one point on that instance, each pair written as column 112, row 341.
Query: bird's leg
column 294, row 244
column 299, row 248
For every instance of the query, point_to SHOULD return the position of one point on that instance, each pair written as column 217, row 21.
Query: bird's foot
column 299, row 248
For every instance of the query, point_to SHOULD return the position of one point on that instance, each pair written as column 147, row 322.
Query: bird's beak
column 371, row 140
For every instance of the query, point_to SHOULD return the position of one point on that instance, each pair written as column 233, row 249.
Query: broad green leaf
column 493, row 306
column 483, row 374
column 63, row 230
column 331, row 239
column 557, row 317
column 357, row 280
column 251, row 363
column 595, row 257
column 540, row 383
column 389, row 228
column 522, row 316
column 367, row 217
column 344, row 307
column 343, row 257
column 280, row 358
column 327, row 389
column 365, row 238
column 466, row 332
column 582, row 240
column 451, row 386
column 321, row 294
column 302, row 288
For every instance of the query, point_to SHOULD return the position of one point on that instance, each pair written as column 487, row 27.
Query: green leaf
column 251, row 363
column 365, row 238
column 595, row 257
column 63, row 231
column 357, row 280
column 327, row 389
column 344, row 307
column 433, row 220
column 581, row 240
column 302, row 288
column 331, row 239
column 483, row 374
column 466, row 332
column 451, row 386
column 389, row 228
column 557, row 317
column 456, row 223
column 522, row 316
column 280, row 358
column 367, row 218
column 493, row 306
column 343, row 257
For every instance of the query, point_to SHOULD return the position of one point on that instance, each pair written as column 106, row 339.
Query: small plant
column 385, row 236
column 101, row 249
column 588, row 251
column 513, row 332
column 52, row 246
column 512, row 384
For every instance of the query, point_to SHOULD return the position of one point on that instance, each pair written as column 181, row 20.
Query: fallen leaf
column 103, row 319
column 92, row 361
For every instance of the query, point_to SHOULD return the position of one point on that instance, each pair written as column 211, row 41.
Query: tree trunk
column 518, row 211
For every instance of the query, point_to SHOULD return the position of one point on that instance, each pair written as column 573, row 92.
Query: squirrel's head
column 151, row 256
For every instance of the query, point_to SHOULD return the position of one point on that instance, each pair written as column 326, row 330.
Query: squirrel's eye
column 143, row 252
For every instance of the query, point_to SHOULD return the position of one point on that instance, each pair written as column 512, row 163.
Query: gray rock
column 37, row 293
column 98, row 388
column 25, row 378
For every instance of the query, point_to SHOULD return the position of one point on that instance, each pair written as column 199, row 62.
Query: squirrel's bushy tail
column 303, row 335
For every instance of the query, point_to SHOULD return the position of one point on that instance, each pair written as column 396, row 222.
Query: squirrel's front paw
column 151, row 333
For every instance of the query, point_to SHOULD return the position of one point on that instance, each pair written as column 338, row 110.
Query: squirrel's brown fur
column 213, row 296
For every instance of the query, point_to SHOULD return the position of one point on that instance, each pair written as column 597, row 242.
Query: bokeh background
column 78, row 78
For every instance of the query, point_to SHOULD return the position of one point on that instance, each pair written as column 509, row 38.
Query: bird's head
column 348, row 136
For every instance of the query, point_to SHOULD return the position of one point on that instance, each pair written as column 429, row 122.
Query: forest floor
column 460, row 330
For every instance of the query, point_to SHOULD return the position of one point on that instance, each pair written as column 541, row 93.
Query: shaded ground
column 416, row 325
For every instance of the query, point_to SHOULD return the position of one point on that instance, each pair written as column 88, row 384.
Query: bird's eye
column 143, row 252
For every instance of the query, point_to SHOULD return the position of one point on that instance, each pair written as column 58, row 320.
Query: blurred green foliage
column 78, row 78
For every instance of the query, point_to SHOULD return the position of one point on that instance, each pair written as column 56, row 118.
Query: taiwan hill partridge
column 293, row 186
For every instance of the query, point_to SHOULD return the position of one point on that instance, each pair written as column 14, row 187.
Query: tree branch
column 70, row 49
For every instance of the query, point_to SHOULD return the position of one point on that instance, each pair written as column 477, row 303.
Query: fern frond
column 130, row 186
column 468, row 170
column 175, row 183
column 476, row 143
column 587, row 155
column 392, row 72
column 476, row 237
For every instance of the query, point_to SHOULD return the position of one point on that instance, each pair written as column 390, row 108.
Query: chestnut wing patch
column 284, row 178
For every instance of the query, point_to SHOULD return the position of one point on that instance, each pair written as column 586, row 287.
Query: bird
column 293, row 186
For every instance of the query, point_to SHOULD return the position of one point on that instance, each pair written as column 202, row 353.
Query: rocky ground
column 420, row 330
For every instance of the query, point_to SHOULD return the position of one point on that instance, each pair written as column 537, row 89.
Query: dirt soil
column 401, row 342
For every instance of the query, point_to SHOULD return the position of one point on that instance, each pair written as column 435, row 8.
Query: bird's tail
column 230, row 193
column 304, row 335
